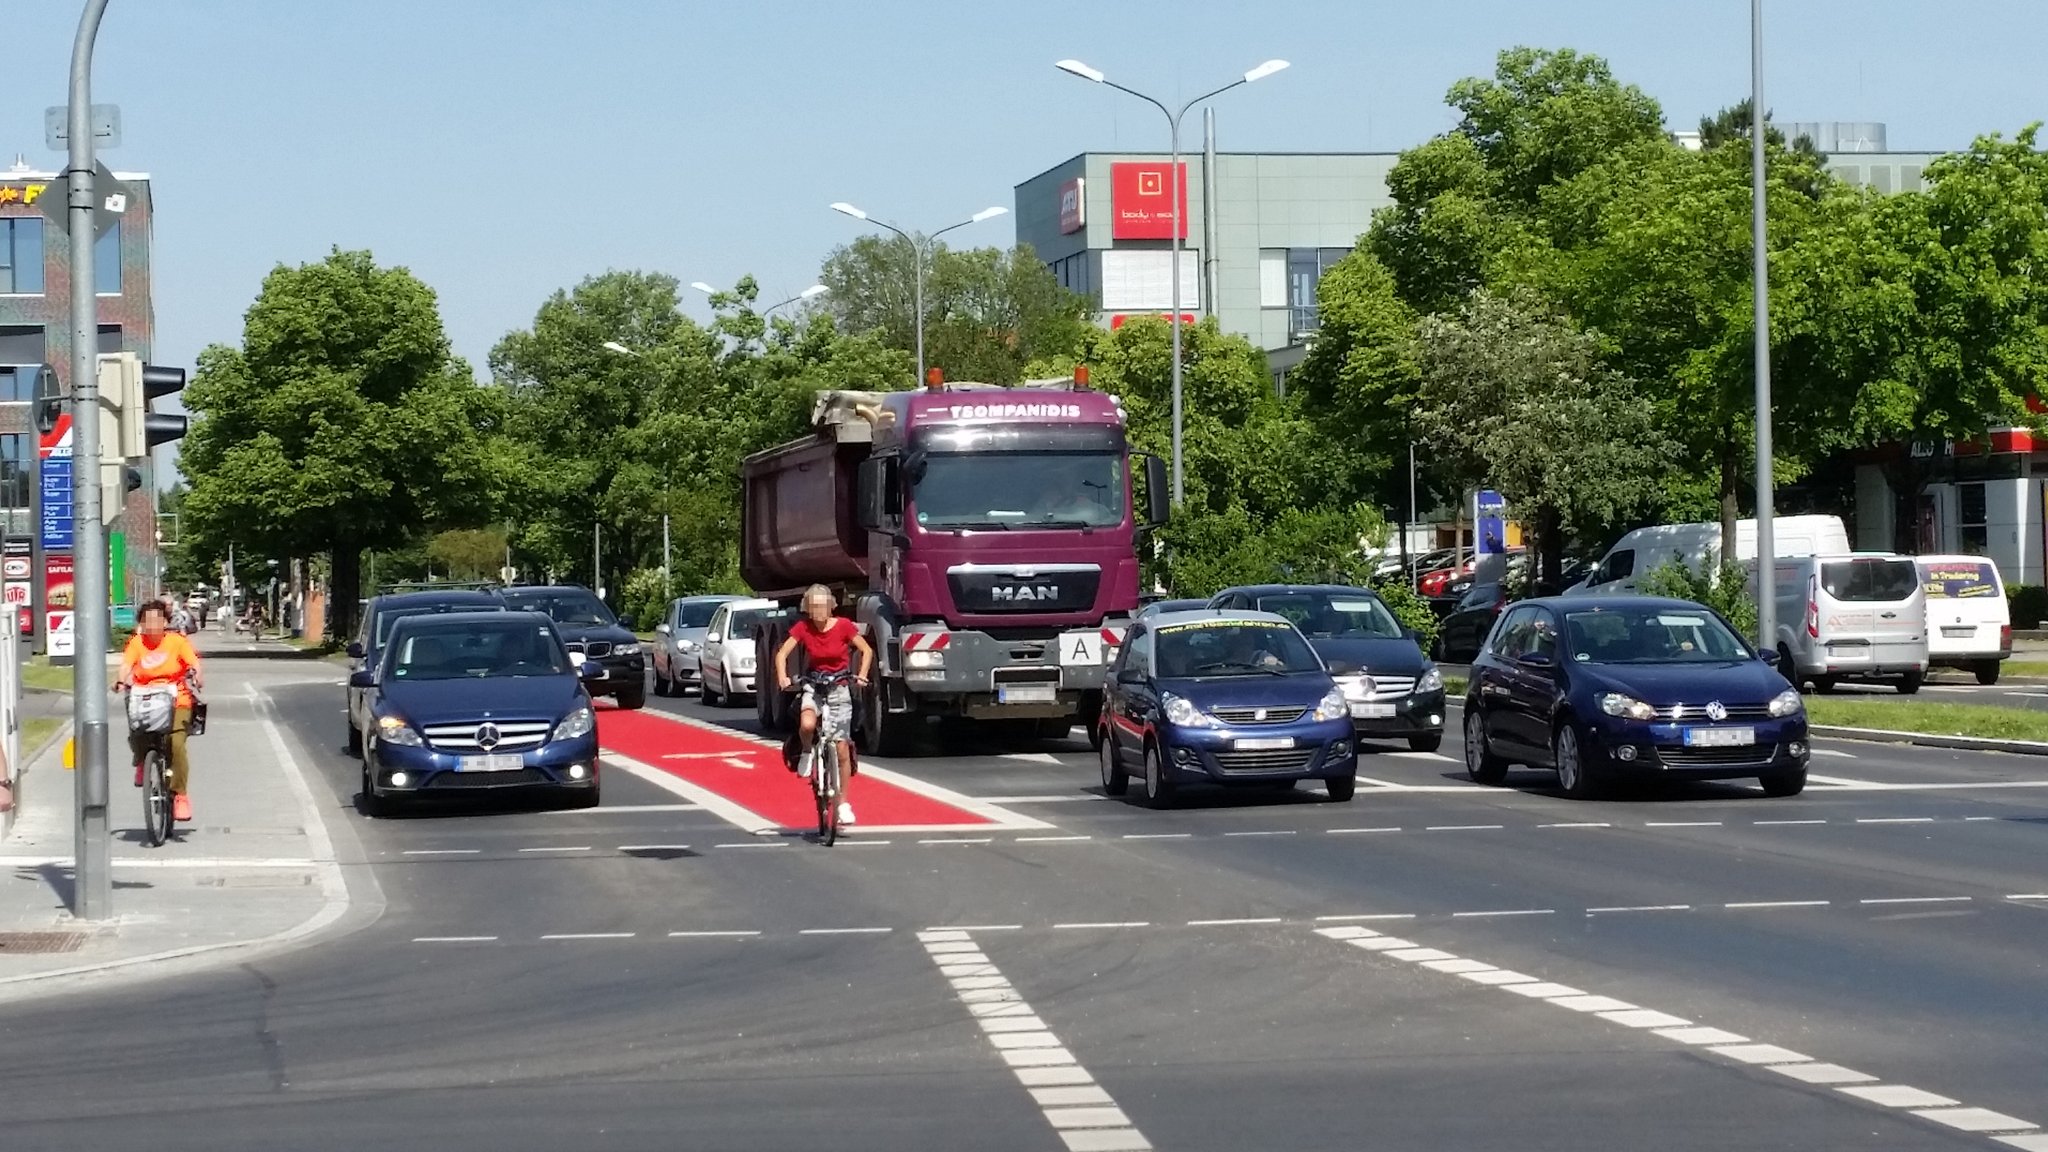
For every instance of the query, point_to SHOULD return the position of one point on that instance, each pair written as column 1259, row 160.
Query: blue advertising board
column 56, row 503
column 1490, row 514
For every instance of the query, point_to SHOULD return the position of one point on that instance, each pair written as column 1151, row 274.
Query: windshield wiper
column 1270, row 671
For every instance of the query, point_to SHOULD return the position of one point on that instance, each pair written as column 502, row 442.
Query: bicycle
column 826, row 786
column 152, row 710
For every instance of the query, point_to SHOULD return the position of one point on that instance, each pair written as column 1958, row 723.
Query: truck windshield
column 1021, row 490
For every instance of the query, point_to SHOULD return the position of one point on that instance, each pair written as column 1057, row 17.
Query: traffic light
column 127, row 385
column 117, row 481
column 159, row 427
column 49, row 399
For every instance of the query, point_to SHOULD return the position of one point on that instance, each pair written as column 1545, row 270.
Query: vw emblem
column 1258, row 714
column 1716, row 710
column 487, row 736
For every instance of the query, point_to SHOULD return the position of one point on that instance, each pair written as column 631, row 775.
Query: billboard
column 60, row 594
column 1141, row 201
column 1073, row 206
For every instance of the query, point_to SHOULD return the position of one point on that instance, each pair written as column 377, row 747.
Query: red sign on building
column 1141, row 201
column 1073, row 206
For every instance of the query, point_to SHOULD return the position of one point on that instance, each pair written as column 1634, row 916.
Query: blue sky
column 503, row 149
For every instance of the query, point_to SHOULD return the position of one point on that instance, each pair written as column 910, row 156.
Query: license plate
column 1719, row 737
column 495, row 762
column 1262, row 743
column 1965, row 630
column 1081, row 649
column 1028, row 694
column 1371, row 711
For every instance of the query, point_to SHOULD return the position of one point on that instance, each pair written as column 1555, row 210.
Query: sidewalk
column 255, row 867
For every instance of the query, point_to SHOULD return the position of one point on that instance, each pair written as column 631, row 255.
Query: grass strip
column 1984, row 722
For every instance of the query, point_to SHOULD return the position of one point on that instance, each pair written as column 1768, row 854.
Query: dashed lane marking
column 453, row 939
column 1750, row 904
column 588, row 936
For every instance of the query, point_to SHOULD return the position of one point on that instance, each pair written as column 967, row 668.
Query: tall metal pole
column 92, row 892
column 917, row 293
column 597, row 559
column 1209, row 212
column 668, row 588
column 1766, row 544
column 1410, row 527
column 1173, row 178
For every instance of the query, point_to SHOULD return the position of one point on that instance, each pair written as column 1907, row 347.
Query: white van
column 1969, row 624
column 1851, row 616
column 1699, row 546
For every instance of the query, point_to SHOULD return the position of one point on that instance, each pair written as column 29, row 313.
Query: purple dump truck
column 984, row 538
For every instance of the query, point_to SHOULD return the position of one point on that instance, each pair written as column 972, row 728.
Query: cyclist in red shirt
column 829, row 642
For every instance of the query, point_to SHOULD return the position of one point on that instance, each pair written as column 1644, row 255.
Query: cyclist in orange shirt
column 156, row 655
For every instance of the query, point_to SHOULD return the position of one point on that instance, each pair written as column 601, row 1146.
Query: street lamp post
column 1766, row 545
column 811, row 293
column 918, row 254
column 1179, row 219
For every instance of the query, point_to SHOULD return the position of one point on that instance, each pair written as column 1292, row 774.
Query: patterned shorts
column 835, row 720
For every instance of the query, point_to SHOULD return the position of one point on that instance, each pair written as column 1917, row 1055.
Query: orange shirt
column 164, row 663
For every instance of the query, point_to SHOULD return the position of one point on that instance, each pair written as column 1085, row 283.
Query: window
column 106, row 262
column 1510, row 630
column 1870, row 581
column 17, row 470
column 1344, row 616
column 1617, row 566
column 1273, row 278
column 1141, row 279
column 474, row 651
column 21, row 256
column 1651, row 636
column 1959, row 579
column 1232, row 648
column 694, row 614
column 1141, row 655
column 1539, row 637
column 1972, row 527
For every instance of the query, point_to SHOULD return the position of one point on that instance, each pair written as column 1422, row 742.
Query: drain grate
column 24, row 942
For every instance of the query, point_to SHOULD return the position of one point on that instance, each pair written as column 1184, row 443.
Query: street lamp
column 918, row 254
column 811, row 293
column 1096, row 76
column 1766, row 546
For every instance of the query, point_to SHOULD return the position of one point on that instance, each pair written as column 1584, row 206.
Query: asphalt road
column 1433, row 965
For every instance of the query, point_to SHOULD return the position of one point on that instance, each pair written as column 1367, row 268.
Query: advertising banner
column 1141, row 201
column 1073, row 206
column 60, row 595
column 1490, row 512
column 55, row 491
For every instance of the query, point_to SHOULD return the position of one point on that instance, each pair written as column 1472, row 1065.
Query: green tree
column 468, row 553
column 1357, row 385
column 342, row 421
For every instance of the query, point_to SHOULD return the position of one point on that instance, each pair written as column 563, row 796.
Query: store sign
column 21, row 193
column 1073, row 206
column 60, row 596
column 1141, row 201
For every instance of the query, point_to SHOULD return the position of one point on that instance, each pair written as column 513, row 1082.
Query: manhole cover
column 12, row 942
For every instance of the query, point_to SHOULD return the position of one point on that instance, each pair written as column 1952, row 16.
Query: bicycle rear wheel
column 156, row 799
column 828, row 794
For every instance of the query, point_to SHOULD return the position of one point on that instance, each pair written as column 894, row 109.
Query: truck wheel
column 1987, row 672
column 1909, row 684
column 764, row 706
column 1054, row 729
column 885, row 733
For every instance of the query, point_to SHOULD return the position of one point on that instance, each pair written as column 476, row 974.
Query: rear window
column 1871, row 581
column 697, row 615
column 1953, row 580
column 740, row 625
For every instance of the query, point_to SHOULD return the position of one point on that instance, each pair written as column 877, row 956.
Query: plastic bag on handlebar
column 152, row 708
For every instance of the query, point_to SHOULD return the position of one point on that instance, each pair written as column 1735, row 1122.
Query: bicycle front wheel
column 828, row 794
column 156, row 798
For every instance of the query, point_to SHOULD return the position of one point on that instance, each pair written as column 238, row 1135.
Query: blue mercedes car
column 464, row 702
column 1228, row 698
column 1607, row 688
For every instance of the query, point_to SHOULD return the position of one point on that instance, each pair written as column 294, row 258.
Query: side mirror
column 1158, row 497
column 662, row 628
column 1538, row 659
column 362, row 678
column 1770, row 656
column 1130, row 676
column 355, row 649
column 713, row 637
column 872, row 493
column 1412, row 635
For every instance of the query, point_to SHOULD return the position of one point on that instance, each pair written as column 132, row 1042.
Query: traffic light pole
column 92, row 889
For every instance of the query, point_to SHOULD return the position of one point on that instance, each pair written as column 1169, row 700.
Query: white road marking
column 1107, row 924
column 1701, row 1037
column 1642, row 908
column 752, row 844
column 2027, row 896
column 1158, row 835
column 1052, row 839
column 1895, row 820
column 1900, row 1096
column 1682, row 824
column 1779, row 904
column 1823, row 1074
column 1920, row 900
column 709, row 934
column 1348, row 831
column 1085, row 1116
column 566, row 848
column 622, row 809
column 1643, row 1018
column 958, row 840
column 1848, row 784
column 965, row 928
column 1769, row 823
column 726, row 810
column 1586, row 825
column 1835, row 752
column 453, row 939
column 843, row 931
column 588, row 936
column 863, row 842
column 1245, row 920
column 653, row 848
column 1414, row 755
column 1974, row 1119
column 1061, row 799
column 1509, row 912
column 442, row 851
column 1269, row 832
column 1591, row 1003
column 1032, row 757
column 1464, row 827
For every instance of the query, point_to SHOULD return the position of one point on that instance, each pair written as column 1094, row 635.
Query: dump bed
column 798, row 518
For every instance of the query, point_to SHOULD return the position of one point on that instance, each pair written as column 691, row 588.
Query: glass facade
column 21, row 256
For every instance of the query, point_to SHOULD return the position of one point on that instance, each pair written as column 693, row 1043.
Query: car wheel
column 663, row 686
column 1987, row 672
column 1480, row 762
column 1788, row 783
column 355, row 739
column 1824, row 684
column 704, row 693
column 1340, row 788
column 1158, row 789
column 374, row 806
column 1429, row 743
column 1115, row 781
column 1909, row 684
column 1573, row 775
column 632, row 698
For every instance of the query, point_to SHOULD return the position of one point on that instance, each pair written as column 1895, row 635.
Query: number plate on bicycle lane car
column 495, row 762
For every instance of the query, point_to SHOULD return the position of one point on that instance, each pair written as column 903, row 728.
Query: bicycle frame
column 826, row 787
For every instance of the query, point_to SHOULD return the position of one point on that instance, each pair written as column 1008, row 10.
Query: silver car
column 679, row 640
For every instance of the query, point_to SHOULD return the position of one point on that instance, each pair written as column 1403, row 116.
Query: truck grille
column 989, row 592
column 1257, row 715
column 1279, row 760
column 513, row 735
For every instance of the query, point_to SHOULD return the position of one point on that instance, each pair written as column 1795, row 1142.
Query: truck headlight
column 1787, row 703
column 1616, row 704
column 394, row 730
column 1333, row 706
column 924, row 658
column 1183, row 713
column 575, row 724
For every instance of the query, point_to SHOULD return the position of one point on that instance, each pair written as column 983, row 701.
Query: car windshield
column 1651, row 636
column 1958, row 579
column 740, row 625
column 1334, row 615
column 697, row 614
column 1021, row 490
column 518, row 647
column 575, row 607
column 1232, row 648
column 392, row 615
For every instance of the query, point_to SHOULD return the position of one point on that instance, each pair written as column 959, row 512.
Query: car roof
column 1610, row 601
column 1226, row 615
column 1296, row 589
column 708, row 598
column 445, row 619
column 451, row 596
column 752, row 602
column 538, row 589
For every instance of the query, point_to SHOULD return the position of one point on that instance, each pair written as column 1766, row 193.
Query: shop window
column 1973, row 533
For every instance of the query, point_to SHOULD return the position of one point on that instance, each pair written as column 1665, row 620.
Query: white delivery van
column 1699, row 545
column 1851, row 616
column 1969, row 624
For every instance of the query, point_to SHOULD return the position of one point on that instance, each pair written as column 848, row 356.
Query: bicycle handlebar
column 819, row 680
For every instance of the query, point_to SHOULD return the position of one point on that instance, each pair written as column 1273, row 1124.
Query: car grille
column 1278, row 760
column 1699, row 712
column 1257, row 715
column 594, row 649
column 1383, row 687
column 513, row 735
column 486, row 779
column 1681, row 757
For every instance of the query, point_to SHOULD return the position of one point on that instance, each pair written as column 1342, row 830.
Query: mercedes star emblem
column 1717, row 710
column 487, row 736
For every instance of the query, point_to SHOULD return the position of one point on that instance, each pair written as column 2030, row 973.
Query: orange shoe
column 181, row 807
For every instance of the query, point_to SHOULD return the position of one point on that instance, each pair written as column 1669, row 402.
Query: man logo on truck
column 1021, row 593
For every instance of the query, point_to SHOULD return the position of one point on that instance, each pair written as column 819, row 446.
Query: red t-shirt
column 829, row 650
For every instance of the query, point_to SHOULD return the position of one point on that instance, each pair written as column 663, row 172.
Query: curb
column 1931, row 740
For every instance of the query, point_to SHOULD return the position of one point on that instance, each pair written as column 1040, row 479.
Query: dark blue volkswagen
column 470, row 701
column 1215, row 697
column 1603, row 688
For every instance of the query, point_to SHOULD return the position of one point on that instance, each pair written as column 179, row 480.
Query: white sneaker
column 845, row 812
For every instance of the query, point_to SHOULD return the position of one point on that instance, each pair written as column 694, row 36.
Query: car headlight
column 1432, row 681
column 577, row 723
column 744, row 663
column 1333, row 706
column 1183, row 713
column 689, row 645
column 625, row 649
column 1787, row 703
column 1616, row 704
column 394, row 730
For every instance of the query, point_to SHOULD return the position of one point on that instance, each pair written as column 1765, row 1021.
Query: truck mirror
column 1157, row 499
column 873, row 493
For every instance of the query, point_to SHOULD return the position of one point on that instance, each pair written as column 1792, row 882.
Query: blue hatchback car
column 1603, row 688
column 1219, row 697
column 464, row 702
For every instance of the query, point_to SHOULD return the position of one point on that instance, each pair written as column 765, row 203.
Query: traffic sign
column 110, row 202
column 106, row 127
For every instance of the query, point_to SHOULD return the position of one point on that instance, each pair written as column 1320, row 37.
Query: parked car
column 728, row 665
column 1226, row 698
column 1603, row 688
column 1395, row 693
column 1158, row 606
column 678, row 639
column 379, row 614
column 588, row 627
column 1460, row 635
column 1856, row 616
column 464, row 702
column 1969, row 623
